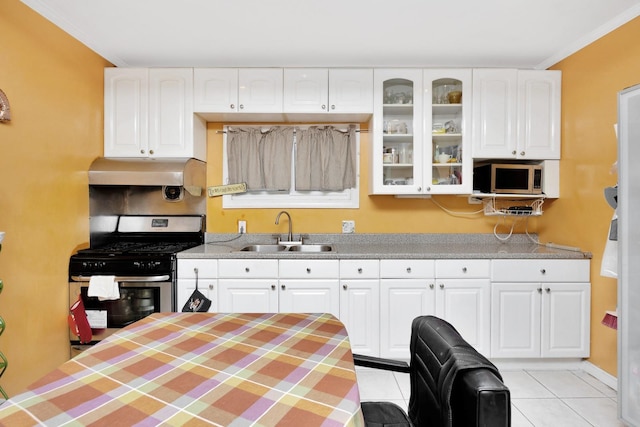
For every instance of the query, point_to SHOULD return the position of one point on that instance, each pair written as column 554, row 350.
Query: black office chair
column 452, row 384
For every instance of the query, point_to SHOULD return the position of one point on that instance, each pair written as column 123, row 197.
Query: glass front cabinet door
column 396, row 157
column 421, row 125
column 447, row 121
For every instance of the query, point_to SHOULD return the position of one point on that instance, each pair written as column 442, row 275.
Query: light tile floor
column 538, row 398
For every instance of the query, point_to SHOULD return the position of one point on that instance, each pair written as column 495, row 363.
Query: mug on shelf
column 444, row 158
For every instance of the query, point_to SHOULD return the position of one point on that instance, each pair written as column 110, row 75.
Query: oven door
column 139, row 297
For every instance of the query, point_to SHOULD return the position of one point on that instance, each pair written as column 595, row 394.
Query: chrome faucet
column 290, row 235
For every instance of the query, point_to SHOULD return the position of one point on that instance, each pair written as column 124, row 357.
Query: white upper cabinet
column 322, row 90
column 516, row 114
column 219, row 91
column 422, row 132
column 149, row 113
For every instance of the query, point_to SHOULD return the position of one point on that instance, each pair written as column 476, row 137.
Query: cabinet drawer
column 463, row 268
column 306, row 268
column 407, row 268
column 359, row 269
column 540, row 270
column 207, row 268
column 257, row 268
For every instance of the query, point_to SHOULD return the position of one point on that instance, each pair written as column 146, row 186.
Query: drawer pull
column 464, row 269
column 283, row 287
column 344, row 286
column 308, row 270
column 543, row 271
column 247, row 269
column 441, row 285
column 539, row 290
column 431, row 286
column 548, row 290
column 273, row 287
column 360, row 270
column 408, row 269
column 210, row 287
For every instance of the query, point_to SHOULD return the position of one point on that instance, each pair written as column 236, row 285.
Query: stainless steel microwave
column 508, row 178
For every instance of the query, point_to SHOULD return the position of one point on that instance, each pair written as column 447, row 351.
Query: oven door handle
column 162, row 278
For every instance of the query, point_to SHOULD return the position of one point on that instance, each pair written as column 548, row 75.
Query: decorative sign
column 220, row 190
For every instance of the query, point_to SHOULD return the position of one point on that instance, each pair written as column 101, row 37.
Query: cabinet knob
column 408, row 269
column 283, row 287
column 242, row 106
column 441, row 285
column 142, row 151
column 431, row 286
column 210, row 287
column 522, row 153
column 333, row 107
column 273, row 287
column 419, row 188
column 308, row 270
column 324, row 107
column 344, row 286
column 464, row 269
column 232, row 106
column 247, row 269
column 513, row 152
column 360, row 270
column 150, row 151
column 539, row 290
column 547, row 290
column 543, row 271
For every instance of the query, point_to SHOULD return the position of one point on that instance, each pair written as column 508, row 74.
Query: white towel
column 103, row 287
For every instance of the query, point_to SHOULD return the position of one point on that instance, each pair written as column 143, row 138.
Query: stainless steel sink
column 264, row 248
column 311, row 248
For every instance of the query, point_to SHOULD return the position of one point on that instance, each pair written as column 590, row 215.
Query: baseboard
column 600, row 374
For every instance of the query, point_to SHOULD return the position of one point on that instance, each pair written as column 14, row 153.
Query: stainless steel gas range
column 136, row 230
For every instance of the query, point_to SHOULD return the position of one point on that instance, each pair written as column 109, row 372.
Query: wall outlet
column 348, row 226
column 242, row 227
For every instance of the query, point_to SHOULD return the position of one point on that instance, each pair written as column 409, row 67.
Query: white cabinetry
column 463, row 298
column 149, row 113
column 205, row 272
column 540, row 308
column 406, row 292
column 516, row 114
column 233, row 90
column 360, row 304
column 309, row 286
column 413, row 124
column 322, row 90
column 248, row 286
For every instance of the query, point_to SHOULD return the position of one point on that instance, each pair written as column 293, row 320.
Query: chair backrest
column 439, row 355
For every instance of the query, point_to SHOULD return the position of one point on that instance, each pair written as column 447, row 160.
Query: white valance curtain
column 260, row 157
column 325, row 157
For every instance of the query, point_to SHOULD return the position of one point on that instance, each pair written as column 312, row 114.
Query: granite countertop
column 389, row 246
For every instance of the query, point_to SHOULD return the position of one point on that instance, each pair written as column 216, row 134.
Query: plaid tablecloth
column 188, row 369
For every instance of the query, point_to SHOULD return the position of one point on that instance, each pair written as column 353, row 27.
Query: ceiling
column 336, row 33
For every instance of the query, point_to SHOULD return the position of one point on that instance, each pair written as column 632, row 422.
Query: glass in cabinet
column 396, row 166
column 448, row 121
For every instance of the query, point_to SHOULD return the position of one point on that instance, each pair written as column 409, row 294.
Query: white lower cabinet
column 309, row 286
column 463, row 298
column 206, row 274
column 248, row 286
column 360, row 304
column 548, row 316
column 406, row 292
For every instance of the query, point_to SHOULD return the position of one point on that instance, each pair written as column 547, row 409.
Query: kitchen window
column 310, row 166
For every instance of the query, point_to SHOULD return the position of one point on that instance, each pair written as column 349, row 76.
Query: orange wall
column 54, row 85
column 592, row 79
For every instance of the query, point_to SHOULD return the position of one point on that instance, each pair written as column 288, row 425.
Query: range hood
column 189, row 173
